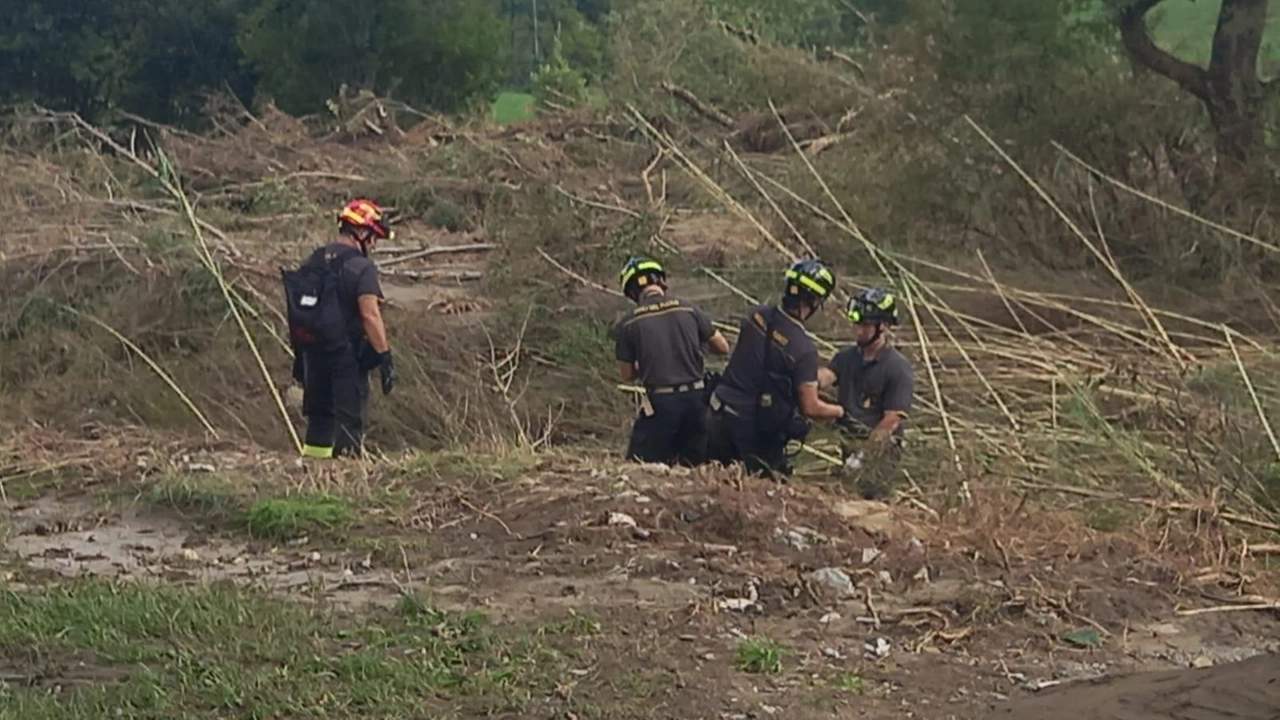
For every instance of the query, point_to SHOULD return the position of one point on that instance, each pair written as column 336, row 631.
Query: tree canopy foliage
column 1050, row 63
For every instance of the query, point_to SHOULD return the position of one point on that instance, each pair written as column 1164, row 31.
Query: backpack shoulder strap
column 343, row 254
column 316, row 258
column 769, row 345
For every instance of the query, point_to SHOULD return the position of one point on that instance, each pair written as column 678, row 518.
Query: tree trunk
column 1229, row 88
column 1236, row 105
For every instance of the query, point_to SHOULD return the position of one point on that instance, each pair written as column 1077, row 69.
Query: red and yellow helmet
column 362, row 213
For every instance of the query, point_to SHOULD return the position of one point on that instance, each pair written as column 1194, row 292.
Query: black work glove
column 850, row 425
column 299, row 370
column 387, row 370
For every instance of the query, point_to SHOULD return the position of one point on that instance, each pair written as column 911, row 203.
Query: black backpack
column 317, row 320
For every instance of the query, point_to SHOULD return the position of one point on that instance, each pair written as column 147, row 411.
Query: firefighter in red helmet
column 336, row 331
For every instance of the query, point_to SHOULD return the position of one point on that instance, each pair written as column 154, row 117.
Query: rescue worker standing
column 875, row 384
column 769, row 390
column 337, row 332
column 660, row 343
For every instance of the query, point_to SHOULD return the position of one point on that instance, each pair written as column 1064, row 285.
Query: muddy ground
column 849, row 607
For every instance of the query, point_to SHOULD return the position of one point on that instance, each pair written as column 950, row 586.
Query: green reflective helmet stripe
column 636, row 267
column 809, row 282
column 632, row 269
column 873, row 305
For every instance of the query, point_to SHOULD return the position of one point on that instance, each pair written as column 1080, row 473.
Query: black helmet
column 640, row 273
column 809, row 279
column 873, row 305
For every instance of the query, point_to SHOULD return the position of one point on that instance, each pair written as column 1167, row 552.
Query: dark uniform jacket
column 868, row 388
column 793, row 354
column 664, row 335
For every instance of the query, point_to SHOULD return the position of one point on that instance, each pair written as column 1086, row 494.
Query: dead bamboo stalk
column 1253, row 394
column 1230, row 517
column 1164, row 203
column 1175, row 352
column 438, row 273
column 428, row 252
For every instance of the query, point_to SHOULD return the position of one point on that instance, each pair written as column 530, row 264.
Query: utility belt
column 646, row 405
column 778, row 421
column 674, row 389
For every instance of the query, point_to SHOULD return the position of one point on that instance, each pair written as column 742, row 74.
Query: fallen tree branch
column 830, row 52
column 446, row 274
column 698, row 106
column 556, row 264
column 817, row 145
column 595, row 204
column 428, row 252
column 1273, row 605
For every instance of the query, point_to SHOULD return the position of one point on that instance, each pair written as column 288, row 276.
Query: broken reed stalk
column 1227, row 516
column 206, row 258
column 1175, row 352
column 428, row 252
column 1253, row 394
column 716, row 191
column 576, row 276
column 1004, row 297
column 164, row 376
column 742, row 168
column 1069, row 304
column 933, row 379
column 968, row 322
column 167, row 179
column 1163, row 203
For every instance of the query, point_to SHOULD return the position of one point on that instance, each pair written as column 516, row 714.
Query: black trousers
column 734, row 437
column 335, row 399
column 675, row 433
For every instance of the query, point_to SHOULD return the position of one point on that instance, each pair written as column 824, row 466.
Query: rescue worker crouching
column 660, row 343
column 875, row 385
column 337, row 333
column 769, row 391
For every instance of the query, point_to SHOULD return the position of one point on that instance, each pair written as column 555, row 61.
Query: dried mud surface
column 952, row 617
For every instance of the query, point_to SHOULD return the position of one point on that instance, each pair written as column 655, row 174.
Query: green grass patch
column 512, row 107
column 231, row 653
column 284, row 518
column 213, row 497
column 759, row 656
column 1185, row 28
column 206, row 495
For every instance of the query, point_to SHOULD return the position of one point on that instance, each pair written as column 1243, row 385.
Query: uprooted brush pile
column 142, row 269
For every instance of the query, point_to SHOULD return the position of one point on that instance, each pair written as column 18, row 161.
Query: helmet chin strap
column 864, row 344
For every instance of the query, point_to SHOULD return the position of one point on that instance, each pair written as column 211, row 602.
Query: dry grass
column 1107, row 394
